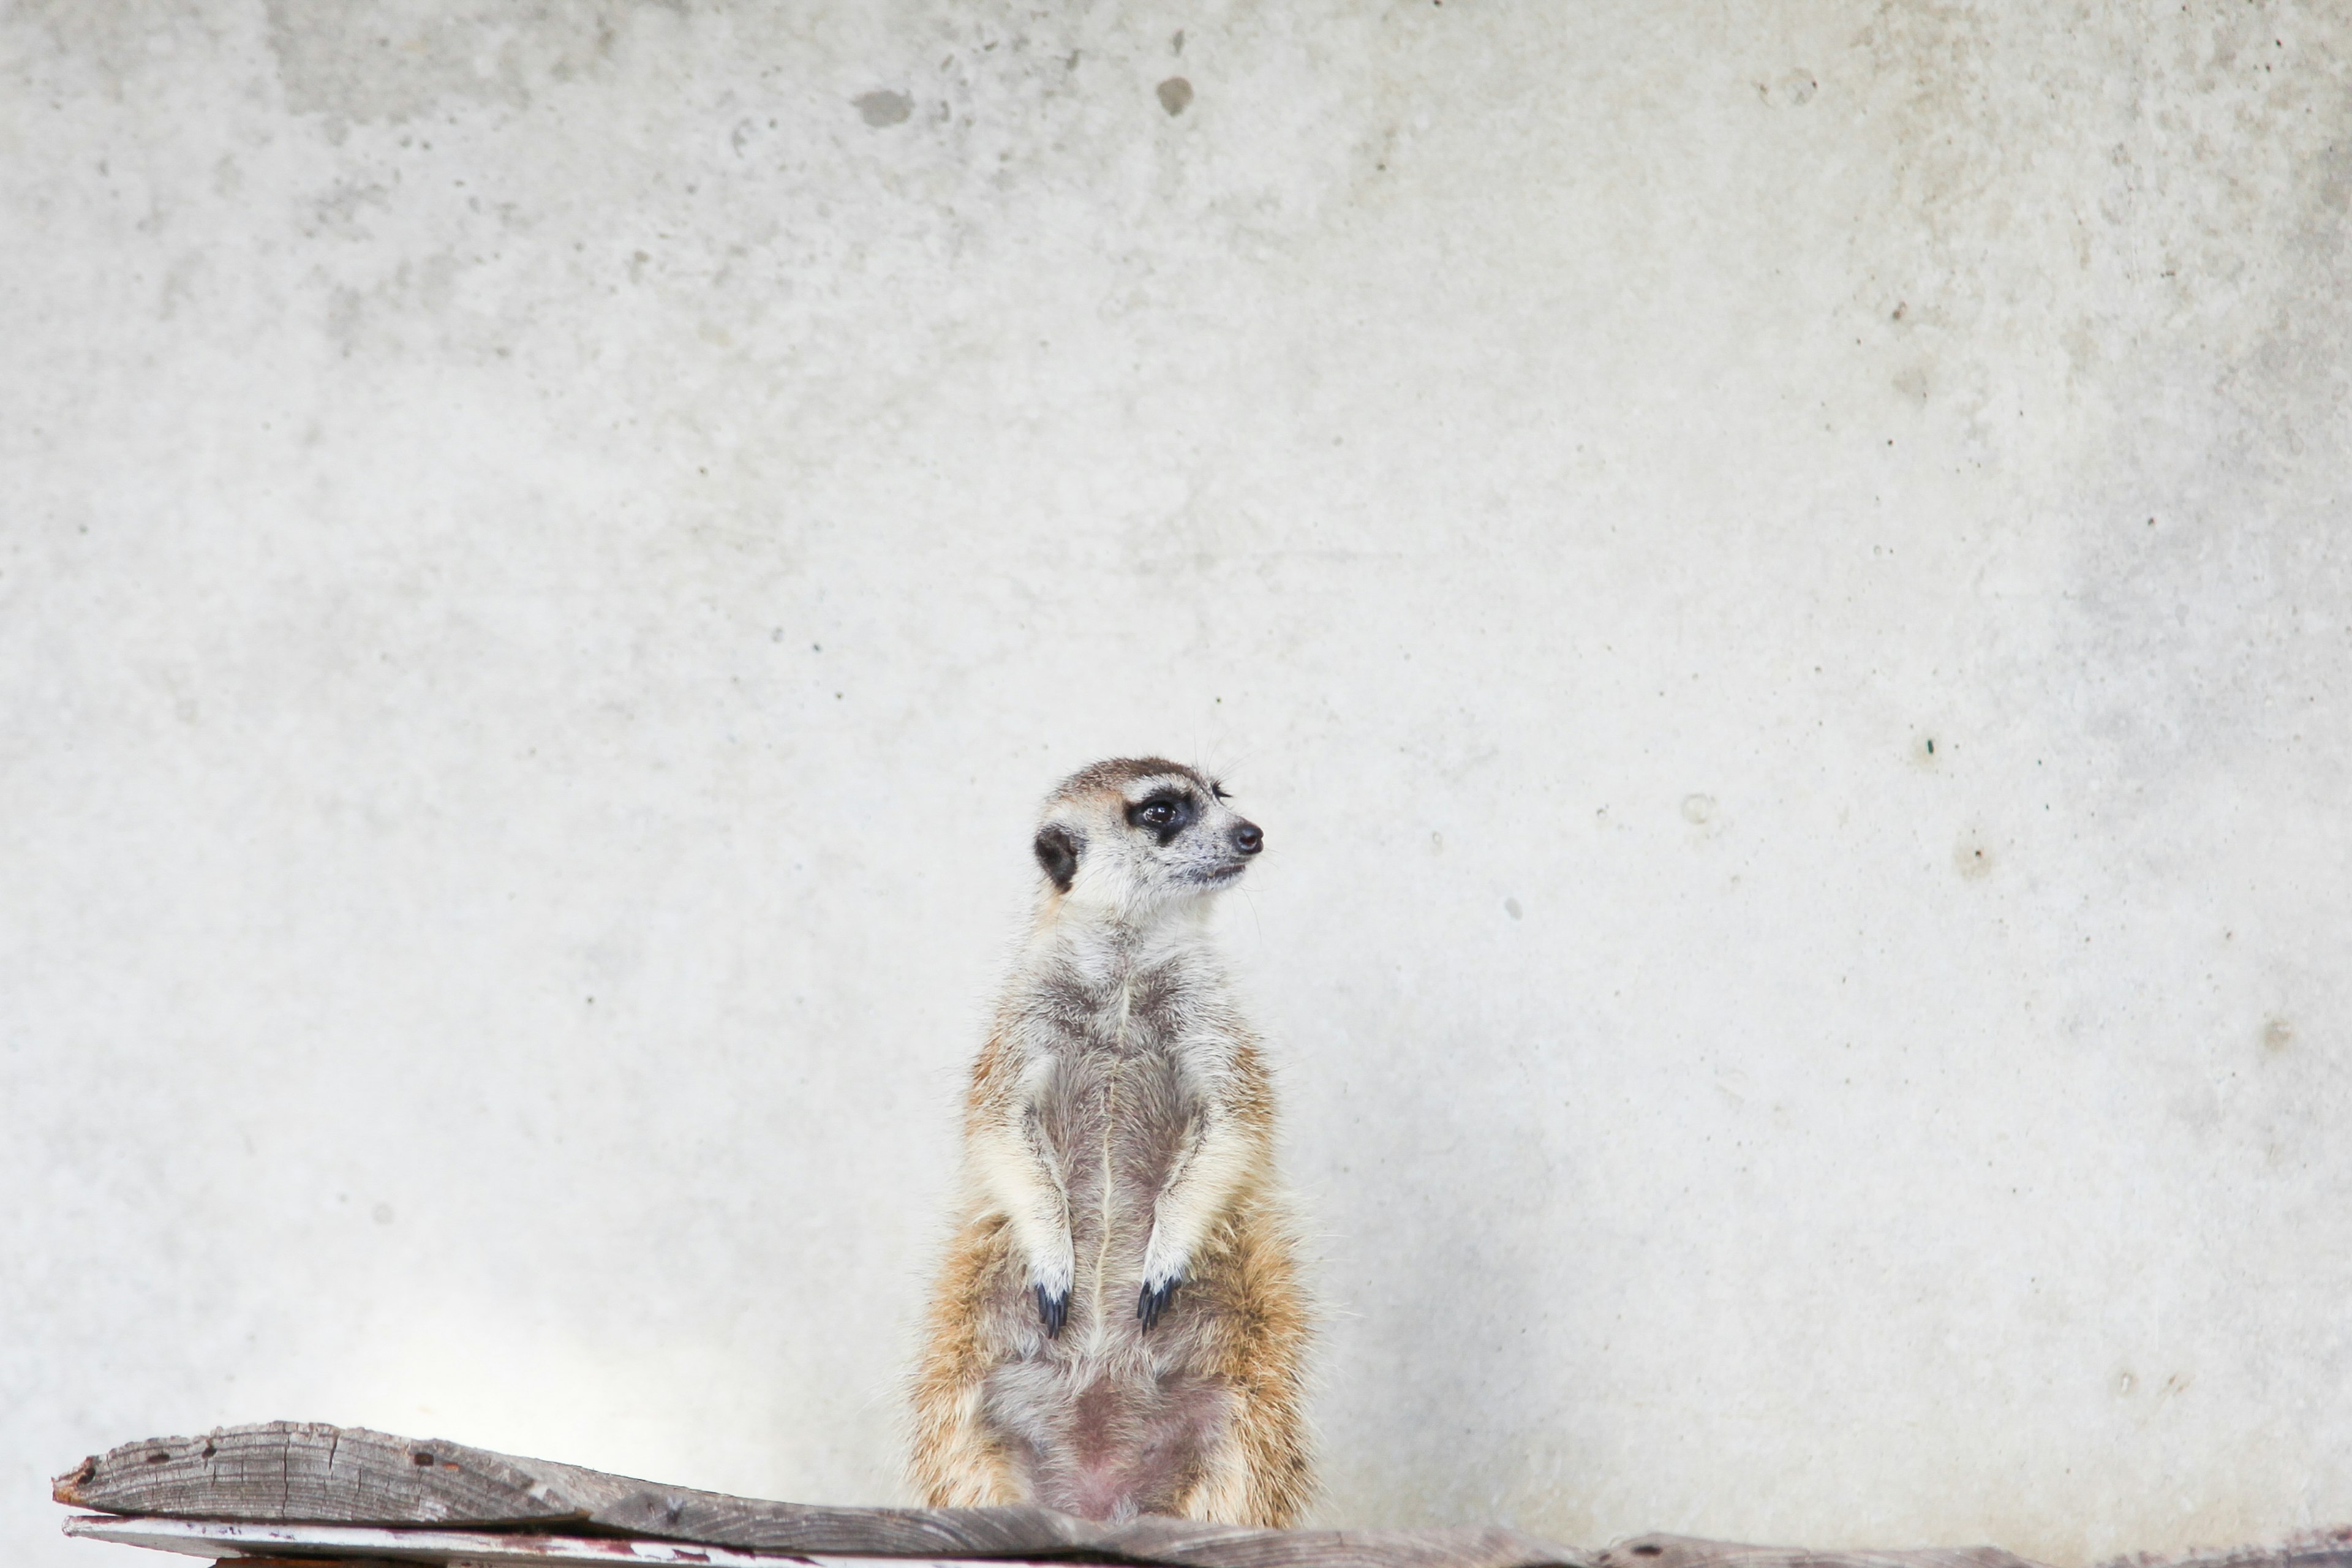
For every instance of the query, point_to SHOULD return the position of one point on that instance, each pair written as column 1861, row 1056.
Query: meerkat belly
column 1122, row 1124
column 1105, row 1421
column 1111, row 1444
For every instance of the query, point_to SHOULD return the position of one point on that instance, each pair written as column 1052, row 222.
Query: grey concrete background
column 1774, row 573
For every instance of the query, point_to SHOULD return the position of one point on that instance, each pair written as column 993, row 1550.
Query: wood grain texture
column 2327, row 1547
column 412, row 1495
column 406, row 1543
column 353, row 1546
column 304, row 1470
column 284, row 1472
column 358, row 1543
column 1688, row 1552
column 349, row 1543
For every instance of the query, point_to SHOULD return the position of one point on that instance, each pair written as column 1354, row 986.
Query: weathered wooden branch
column 286, row 1491
column 286, row 1472
column 349, row 1544
column 2315, row 1549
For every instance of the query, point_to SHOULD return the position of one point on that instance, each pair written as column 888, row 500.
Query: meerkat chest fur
column 1134, row 1057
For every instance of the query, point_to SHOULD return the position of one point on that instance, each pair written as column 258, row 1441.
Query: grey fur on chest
column 1121, row 1070
column 1171, row 1007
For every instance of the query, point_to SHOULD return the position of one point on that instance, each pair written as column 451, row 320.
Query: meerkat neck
column 1113, row 940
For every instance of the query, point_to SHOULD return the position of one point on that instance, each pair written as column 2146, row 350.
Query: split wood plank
column 2330, row 1548
column 283, row 1472
column 347, row 1544
column 2325, row 1548
column 307, row 1545
column 1692, row 1552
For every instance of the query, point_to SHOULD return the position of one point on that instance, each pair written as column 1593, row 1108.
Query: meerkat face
column 1136, row 835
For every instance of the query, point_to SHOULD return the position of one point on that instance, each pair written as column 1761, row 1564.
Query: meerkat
column 1119, row 1327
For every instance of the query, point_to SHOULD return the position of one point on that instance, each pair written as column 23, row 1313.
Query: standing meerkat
column 1119, row 1327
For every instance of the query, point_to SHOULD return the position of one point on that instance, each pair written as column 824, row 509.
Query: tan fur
column 1118, row 1135
column 961, row 1466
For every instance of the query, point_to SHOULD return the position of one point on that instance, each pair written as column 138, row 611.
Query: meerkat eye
column 1163, row 815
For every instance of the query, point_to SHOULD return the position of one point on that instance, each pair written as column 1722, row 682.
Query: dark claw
column 1154, row 1302
column 1054, row 1310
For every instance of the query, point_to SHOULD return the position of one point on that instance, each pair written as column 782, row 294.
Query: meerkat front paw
column 1155, row 1298
column 1052, row 1272
column 1164, row 1269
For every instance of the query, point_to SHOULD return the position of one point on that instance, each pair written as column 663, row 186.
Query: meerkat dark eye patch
column 1057, row 855
column 1163, row 813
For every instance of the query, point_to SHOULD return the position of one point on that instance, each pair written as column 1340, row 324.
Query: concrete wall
column 1775, row 572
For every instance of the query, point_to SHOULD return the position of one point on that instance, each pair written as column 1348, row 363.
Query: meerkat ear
column 1057, row 852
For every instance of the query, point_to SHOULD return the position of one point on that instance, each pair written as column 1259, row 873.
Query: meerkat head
column 1137, row 836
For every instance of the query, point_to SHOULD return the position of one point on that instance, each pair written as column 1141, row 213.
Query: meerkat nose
column 1248, row 839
